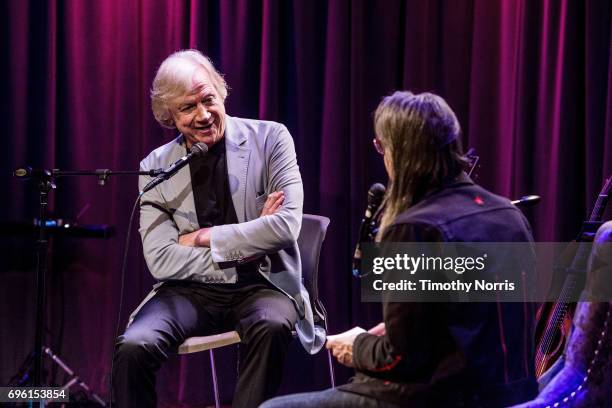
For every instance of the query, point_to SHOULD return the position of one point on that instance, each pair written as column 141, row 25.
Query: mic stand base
column 22, row 378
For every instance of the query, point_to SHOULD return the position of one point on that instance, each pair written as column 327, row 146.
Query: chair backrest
column 309, row 242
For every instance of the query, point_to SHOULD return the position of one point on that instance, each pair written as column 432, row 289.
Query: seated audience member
column 434, row 354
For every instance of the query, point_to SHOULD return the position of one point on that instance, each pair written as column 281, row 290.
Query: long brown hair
column 420, row 135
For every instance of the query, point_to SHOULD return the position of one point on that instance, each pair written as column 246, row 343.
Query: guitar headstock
column 473, row 163
column 601, row 201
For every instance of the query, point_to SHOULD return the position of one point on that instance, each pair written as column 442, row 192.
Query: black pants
column 262, row 316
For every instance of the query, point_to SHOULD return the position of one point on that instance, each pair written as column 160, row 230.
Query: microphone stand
column 46, row 182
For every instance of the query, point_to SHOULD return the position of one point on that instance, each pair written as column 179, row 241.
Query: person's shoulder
column 465, row 197
column 492, row 197
column 261, row 134
column 407, row 229
column 160, row 156
column 257, row 126
column 460, row 212
column 459, row 200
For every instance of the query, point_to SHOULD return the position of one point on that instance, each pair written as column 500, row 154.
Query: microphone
column 27, row 173
column 375, row 197
column 527, row 201
column 198, row 149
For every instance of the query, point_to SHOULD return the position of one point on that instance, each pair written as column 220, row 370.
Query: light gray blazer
column 260, row 160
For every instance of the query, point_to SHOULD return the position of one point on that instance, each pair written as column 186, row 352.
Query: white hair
column 174, row 78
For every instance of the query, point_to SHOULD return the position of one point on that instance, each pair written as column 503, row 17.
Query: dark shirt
column 214, row 206
column 211, row 193
column 451, row 354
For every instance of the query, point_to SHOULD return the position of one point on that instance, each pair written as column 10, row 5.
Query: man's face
column 199, row 114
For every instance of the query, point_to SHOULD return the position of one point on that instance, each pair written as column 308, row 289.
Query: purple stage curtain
column 531, row 83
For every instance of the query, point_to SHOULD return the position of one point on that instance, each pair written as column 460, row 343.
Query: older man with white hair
column 220, row 236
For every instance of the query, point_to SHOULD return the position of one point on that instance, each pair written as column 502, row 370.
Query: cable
column 123, row 266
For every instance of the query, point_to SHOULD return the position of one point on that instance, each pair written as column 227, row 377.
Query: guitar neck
column 580, row 259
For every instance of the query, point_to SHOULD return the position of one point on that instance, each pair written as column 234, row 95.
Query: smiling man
column 220, row 236
column 200, row 114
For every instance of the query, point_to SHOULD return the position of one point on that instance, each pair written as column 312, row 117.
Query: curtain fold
column 531, row 83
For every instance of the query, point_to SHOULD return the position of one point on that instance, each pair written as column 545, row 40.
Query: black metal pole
column 41, row 272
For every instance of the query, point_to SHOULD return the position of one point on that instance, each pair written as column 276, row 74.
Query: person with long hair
column 436, row 354
column 418, row 137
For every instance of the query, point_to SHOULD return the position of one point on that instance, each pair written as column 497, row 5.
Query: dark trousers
column 329, row 398
column 264, row 318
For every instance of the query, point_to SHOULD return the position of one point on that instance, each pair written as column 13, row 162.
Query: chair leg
column 214, row 378
column 331, row 369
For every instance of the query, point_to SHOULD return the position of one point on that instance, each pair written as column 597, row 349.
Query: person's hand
column 273, row 203
column 378, row 330
column 199, row 238
column 341, row 345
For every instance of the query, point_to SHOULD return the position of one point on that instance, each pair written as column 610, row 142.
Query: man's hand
column 378, row 330
column 201, row 237
column 341, row 345
column 273, row 203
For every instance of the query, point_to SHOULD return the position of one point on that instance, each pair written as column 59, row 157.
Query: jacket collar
column 461, row 179
column 233, row 135
column 237, row 154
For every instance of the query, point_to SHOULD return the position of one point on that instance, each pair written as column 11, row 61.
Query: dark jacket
column 451, row 354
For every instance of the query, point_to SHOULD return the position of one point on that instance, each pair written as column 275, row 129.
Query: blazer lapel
column 237, row 155
column 180, row 186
